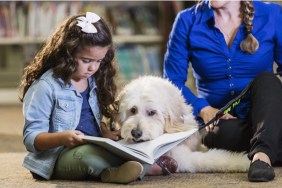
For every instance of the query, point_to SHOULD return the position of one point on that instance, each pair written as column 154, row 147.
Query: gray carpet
column 13, row 175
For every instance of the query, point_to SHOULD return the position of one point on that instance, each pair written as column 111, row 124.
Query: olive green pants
column 86, row 162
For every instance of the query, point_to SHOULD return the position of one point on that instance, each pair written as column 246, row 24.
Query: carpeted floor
column 13, row 175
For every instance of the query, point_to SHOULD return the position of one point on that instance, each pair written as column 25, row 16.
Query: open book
column 144, row 152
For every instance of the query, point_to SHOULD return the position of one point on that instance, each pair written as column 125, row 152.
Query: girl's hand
column 107, row 133
column 71, row 138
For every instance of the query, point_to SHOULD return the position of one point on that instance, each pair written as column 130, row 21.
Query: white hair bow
column 86, row 22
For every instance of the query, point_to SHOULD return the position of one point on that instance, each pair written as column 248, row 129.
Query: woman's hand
column 107, row 133
column 208, row 112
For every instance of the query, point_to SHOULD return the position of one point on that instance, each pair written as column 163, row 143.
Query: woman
column 229, row 43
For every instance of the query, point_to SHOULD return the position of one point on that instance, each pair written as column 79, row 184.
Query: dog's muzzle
column 136, row 134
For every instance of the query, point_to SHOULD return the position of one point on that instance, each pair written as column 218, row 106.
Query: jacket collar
column 91, row 81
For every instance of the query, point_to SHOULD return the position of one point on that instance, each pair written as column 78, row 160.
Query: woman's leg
column 266, row 134
column 230, row 134
column 266, row 98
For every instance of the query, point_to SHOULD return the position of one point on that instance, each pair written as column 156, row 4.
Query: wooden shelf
column 137, row 38
column 117, row 39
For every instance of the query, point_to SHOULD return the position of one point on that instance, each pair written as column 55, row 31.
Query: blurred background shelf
column 9, row 96
column 140, row 29
column 117, row 39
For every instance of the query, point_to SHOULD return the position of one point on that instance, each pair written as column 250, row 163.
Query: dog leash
column 231, row 104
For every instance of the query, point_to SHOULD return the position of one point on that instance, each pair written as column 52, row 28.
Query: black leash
column 230, row 105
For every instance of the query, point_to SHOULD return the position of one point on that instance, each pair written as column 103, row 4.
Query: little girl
column 66, row 90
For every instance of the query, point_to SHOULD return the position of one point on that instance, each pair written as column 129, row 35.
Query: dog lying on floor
column 151, row 106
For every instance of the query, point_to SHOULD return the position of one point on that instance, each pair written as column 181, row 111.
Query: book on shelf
column 137, row 60
column 144, row 152
column 124, row 62
column 145, row 19
column 35, row 19
column 96, row 7
column 121, row 20
column 21, row 19
column 153, row 54
column 6, row 23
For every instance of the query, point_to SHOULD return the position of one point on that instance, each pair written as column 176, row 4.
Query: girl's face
column 89, row 60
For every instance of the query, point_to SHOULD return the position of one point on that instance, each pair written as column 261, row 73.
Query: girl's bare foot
column 154, row 170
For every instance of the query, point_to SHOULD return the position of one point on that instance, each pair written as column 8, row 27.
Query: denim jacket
column 51, row 106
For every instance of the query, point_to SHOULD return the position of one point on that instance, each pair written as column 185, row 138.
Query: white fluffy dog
column 151, row 106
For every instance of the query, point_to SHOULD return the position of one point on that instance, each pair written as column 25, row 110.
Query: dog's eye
column 152, row 112
column 133, row 110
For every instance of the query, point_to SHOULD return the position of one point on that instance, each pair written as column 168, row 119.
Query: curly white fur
column 151, row 106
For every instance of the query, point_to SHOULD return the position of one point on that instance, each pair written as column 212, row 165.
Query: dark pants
column 262, row 131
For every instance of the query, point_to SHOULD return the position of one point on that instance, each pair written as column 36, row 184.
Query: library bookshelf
column 118, row 39
column 25, row 25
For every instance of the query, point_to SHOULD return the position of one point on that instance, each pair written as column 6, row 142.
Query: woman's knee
column 266, row 77
column 266, row 83
column 231, row 134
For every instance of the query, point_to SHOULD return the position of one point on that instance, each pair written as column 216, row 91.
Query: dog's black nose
column 136, row 133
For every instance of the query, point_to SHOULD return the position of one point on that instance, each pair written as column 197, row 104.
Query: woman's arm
column 278, row 41
column 176, row 61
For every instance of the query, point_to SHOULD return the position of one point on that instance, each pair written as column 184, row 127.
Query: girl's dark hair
column 250, row 44
column 58, row 54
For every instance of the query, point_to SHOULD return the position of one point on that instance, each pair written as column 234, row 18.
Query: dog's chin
column 134, row 140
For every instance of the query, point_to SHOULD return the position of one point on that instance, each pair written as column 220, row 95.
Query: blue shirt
column 221, row 73
column 51, row 106
column 87, row 123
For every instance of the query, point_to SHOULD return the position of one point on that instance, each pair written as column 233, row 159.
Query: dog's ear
column 121, row 95
column 115, row 120
column 172, row 126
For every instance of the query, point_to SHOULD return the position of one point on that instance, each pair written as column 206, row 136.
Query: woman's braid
column 250, row 43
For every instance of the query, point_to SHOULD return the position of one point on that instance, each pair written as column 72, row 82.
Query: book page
column 157, row 147
column 119, row 149
column 146, row 152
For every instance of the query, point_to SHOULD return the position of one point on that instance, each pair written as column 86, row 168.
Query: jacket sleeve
column 37, row 108
column 176, row 61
